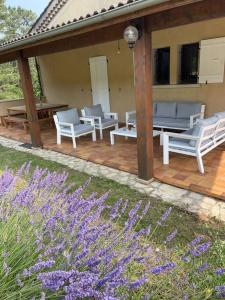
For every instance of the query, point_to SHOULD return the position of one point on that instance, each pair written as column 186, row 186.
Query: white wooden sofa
column 68, row 123
column 172, row 115
column 206, row 135
column 101, row 120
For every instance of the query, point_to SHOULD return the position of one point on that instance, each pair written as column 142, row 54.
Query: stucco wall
column 66, row 75
column 76, row 8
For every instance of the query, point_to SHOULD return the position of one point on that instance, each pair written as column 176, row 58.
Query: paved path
column 204, row 207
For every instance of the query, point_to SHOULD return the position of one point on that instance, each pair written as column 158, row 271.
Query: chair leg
column 165, row 149
column 117, row 126
column 94, row 136
column 101, row 133
column 74, row 142
column 59, row 139
column 200, row 164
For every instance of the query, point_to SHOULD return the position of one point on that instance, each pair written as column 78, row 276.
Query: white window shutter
column 212, row 61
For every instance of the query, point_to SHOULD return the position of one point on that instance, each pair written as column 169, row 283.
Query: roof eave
column 101, row 17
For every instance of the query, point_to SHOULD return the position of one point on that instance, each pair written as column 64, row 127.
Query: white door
column 99, row 81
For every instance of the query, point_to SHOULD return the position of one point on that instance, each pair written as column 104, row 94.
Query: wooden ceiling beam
column 195, row 12
column 8, row 57
column 169, row 14
column 87, row 39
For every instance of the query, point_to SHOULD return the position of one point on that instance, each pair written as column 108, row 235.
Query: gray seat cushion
column 94, row 111
column 171, row 123
column 181, row 144
column 106, row 123
column 184, row 144
column 185, row 109
column 78, row 129
column 69, row 116
column 197, row 129
column 166, row 110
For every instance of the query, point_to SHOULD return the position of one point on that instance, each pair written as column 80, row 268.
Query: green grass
column 188, row 225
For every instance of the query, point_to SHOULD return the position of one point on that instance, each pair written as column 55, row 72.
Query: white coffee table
column 128, row 133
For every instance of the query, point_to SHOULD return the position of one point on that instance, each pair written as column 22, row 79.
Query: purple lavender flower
column 160, row 269
column 220, row 288
column 220, row 271
column 145, row 210
column 196, row 241
column 136, row 284
column 199, row 250
column 93, row 256
column 115, row 210
column 164, row 217
column 135, row 209
column 42, row 265
column 202, row 267
column 171, row 236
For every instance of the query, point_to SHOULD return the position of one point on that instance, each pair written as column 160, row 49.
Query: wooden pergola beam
column 183, row 15
column 8, row 57
column 144, row 104
column 169, row 14
column 109, row 34
column 29, row 99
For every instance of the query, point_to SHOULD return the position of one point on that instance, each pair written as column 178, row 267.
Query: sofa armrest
column 195, row 118
column 90, row 120
column 111, row 115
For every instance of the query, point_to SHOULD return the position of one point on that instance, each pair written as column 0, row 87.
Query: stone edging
column 204, row 207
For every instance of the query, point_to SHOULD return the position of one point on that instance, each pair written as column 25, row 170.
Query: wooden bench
column 10, row 120
column 2, row 118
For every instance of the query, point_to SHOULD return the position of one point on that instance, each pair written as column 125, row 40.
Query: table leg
column 112, row 138
column 161, row 138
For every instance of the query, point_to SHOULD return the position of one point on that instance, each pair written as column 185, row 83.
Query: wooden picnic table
column 18, row 114
column 42, row 108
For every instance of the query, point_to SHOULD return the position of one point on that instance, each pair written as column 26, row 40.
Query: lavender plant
column 58, row 244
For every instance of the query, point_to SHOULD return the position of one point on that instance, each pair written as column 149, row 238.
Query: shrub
column 58, row 244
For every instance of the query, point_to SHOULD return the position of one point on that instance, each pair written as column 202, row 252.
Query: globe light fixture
column 131, row 36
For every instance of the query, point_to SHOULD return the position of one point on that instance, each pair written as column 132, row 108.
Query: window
column 189, row 63
column 162, row 66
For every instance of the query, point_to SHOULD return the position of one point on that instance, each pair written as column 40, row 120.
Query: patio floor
column 182, row 171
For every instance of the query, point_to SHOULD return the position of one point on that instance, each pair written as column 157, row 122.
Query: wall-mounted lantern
column 131, row 35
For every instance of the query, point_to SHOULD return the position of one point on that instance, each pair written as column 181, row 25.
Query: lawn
column 187, row 225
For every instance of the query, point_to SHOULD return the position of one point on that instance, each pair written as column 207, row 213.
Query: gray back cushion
column 69, row 116
column 166, row 109
column 197, row 129
column 185, row 109
column 94, row 111
column 220, row 115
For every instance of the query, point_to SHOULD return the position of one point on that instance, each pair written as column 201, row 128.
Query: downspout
column 116, row 12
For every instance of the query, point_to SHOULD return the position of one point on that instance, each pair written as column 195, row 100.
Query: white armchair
column 68, row 123
column 101, row 120
column 130, row 118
